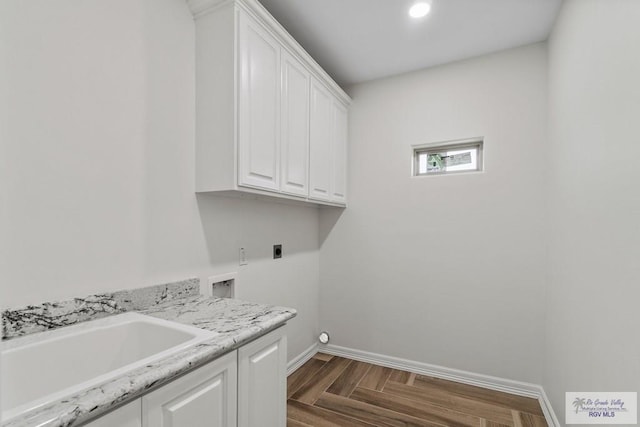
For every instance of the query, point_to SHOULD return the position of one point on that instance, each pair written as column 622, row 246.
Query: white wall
column 593, row 314
column 96, row 180
column 97, row 165
column 446, row 270
column 291, row 281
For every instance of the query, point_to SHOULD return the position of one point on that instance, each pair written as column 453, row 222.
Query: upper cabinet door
column 295, row 127
column 258, row 106
column 321, row 135
column 265, row 119
column 339, row 154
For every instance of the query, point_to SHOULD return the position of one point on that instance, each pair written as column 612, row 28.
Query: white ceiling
column 360, row 40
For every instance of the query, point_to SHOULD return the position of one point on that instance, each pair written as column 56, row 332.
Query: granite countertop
column 236, row 323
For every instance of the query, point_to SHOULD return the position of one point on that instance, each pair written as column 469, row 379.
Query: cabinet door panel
column 129, row 415
column 295, row 127
column 202, row 406
column 259, row 106
column 321, row 122
column 205, row 397
column 339, row 154
column 262, row 373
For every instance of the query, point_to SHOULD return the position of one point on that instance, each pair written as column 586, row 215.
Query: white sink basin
column 41, row 368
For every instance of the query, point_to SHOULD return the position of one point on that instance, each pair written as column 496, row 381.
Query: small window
column 448, row 157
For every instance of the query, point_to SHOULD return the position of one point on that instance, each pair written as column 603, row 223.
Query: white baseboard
column 547, row 409
column 301, row 359
column 485, row 381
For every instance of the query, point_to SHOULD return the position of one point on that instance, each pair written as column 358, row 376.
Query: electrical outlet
column 243, row 257
column 277, row 251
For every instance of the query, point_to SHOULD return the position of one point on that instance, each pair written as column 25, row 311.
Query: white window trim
column 447, row 145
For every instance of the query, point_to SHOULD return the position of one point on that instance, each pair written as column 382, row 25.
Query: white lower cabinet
column 245, row 388
column 262, row 381
column 205, row 397
column 129, row 415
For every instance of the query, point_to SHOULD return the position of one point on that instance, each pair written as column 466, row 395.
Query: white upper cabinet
column 321, row 146
column 269, row 120
column 328, row 145
column 295, row 127
column 258, row 106
column 339, row 154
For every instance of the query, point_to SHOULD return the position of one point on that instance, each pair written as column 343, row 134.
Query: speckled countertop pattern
column 236, row 323
column 46, row 316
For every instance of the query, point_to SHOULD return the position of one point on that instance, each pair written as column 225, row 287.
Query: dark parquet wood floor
column 334, row 391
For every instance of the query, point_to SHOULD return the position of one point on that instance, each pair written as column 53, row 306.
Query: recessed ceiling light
column 419, row 10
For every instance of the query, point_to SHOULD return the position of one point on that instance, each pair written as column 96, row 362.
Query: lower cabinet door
column 205, row 397
column 129, row 415
column 262, row 381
